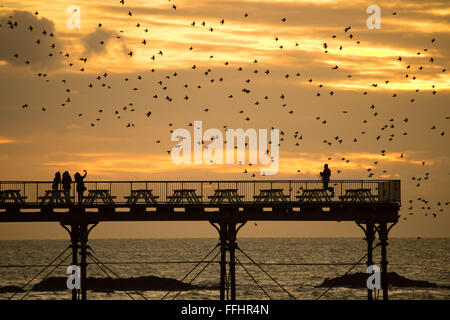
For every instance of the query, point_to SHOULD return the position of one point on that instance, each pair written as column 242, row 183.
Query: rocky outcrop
column 11, row 289
column 359, row 280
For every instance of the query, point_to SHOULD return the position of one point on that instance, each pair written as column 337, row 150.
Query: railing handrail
column 386, row 190
column 199, row 181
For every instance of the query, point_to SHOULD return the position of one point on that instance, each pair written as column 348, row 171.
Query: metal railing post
column 290, row 190
column 166, row 183
column 201, row 191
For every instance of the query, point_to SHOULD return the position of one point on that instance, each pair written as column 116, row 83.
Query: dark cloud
column 20, row 37
column 92, row 42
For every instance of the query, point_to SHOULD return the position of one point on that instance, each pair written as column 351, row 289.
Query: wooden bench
column 99, row 194
column 13, row 195
column 213, row 197
column 358, row 195
column 56, row 197
column 314, row 195
column 44, row 197
column 271, row 195
column 182, row 198
column 225, row 195
column 141, row 194
column 239, row 196
column 130, row 197
column 184, row 194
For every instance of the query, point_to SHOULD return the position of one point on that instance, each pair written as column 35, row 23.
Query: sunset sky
column 373, row 101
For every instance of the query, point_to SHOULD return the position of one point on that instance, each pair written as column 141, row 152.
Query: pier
column 373, row 205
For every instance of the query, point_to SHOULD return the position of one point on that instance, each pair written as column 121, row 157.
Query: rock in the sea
column 359, row 280
column 11, row 289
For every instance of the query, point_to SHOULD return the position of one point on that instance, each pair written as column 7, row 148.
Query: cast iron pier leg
column 79, row 236
column 74, row 238
column 383, row 233
column 369, row 239
column 223, row 259
column 227, row 233
column 83, row 264
column 231, row 248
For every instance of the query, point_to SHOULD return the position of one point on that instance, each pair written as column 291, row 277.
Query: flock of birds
column 412, row 72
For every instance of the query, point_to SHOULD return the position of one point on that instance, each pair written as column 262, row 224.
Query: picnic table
column 142, row 194
column 102, row 195
column 11, row 195
column 188, row 195
column 271, row 195
column 56, row 197
column 314, row 195
column 225, row 195
column 358, row 195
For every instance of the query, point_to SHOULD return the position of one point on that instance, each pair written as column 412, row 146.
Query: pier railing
column 382, row 190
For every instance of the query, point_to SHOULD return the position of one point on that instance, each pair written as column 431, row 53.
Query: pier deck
column 200, row 201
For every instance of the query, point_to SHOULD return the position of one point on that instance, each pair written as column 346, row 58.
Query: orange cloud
column 6, row 140
column 105, row 164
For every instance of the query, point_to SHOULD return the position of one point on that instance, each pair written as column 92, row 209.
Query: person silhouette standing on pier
column 56, row 181
column 325, row 174
column 66, row 183
column 80, row 185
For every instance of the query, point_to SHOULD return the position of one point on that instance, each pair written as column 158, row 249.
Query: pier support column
column 370, row 237
column 232, row 247
column 83, row 264
column 74, row 238
column 383, row 234
column 228, row 234
column 370, row 233
column 223, row 260
column 79, row 237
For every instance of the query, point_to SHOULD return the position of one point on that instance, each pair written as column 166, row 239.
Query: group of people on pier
column 66, row 182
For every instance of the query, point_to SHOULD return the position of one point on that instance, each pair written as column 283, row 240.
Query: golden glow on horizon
column 6, row 140
column 103, row 164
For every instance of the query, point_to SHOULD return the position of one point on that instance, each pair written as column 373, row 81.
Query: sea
column 298, row 265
